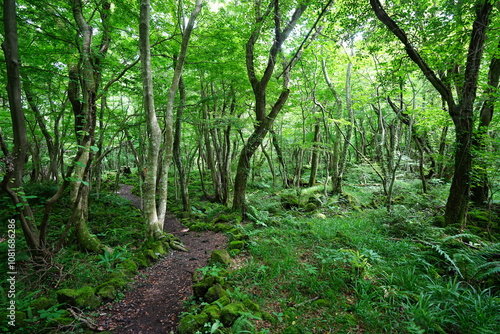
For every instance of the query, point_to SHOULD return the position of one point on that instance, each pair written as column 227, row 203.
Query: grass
column 368, row 271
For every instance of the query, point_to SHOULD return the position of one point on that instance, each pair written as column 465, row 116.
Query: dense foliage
column 353, row 142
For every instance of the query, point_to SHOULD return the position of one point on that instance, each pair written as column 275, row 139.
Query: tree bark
column 259, row 86
column 480, row 188
column 13, row 179
column 177, row 149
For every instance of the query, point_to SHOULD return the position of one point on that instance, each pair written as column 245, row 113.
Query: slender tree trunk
column 315, row 154
column 480, row 188
column 153, row 225
column 259, row 87
column 177, row 149
column 13, row 179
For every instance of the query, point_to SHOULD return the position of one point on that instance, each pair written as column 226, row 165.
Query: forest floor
column 157, row 295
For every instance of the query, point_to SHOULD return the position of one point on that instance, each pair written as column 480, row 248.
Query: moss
column 188, row 325
column 41, row 303
column 250, row 305
column 221, row 227
column 213, row 311
column 107, row 292
column 310, row 207
column 219, row 256
column 88, row 241
column 142, row 260
column 82, row 298
column 215, row 292
column 223, row 301
column 159, row 249
column 289, row 201
column 87, row 298
column 129, row 267
column 237, row 244
column 201, row 318
column 201, row 288
column 266, row 316
column 231, row 312
column 150, row 255
column 67, row 296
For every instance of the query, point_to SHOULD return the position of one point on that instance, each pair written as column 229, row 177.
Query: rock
column 129, row 267
column 231, row 312
column 237, row 244
column 188, row 325
column 107, row 292
column 219, row 256
column 81, row 298
column 250, row 305
column 213, row 311
column 41, row 303
column 214, row 293
column 201, row 288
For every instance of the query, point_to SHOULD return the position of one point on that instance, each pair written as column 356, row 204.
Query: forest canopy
column 216, row 101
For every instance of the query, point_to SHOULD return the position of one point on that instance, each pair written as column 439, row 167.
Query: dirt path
column 156, row 299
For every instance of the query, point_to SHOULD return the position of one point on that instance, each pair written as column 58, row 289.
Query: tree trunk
column 85, row 110
column 259, row 87
column 480, row 188
column 13, row 179
column 177, row 149
column 461, row 112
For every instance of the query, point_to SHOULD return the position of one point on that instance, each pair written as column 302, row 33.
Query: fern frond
column 445, row 255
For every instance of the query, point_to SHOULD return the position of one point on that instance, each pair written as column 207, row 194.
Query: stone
column 231, row 312
column 215, row 292
column 219, row 256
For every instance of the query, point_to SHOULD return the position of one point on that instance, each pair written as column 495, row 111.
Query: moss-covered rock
column 237, row 244
column 213, row 311
column 188, row 325
column 41, row 303
column 215, row 292
column 223, row 301
column 219, row 256
column 107, row 292
column 81, row 298
column 231, row 312
column 129, row 267
column 251, row 306
column 289, row 201
column 310, row 207
column 201, row 288
column 222, row 227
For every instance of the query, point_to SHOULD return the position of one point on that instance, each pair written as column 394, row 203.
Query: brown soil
column 156, row 298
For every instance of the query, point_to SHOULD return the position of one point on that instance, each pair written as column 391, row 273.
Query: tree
column 264, row 120
column 159, row 149
column 460, row 109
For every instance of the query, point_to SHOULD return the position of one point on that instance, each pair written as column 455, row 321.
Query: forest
column 321, row 166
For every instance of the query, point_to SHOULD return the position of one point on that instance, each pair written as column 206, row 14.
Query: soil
column 157, row 295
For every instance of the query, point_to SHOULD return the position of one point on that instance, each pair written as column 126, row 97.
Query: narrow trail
column 157, row 296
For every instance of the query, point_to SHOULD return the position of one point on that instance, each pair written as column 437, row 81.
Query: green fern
column 445, row 255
